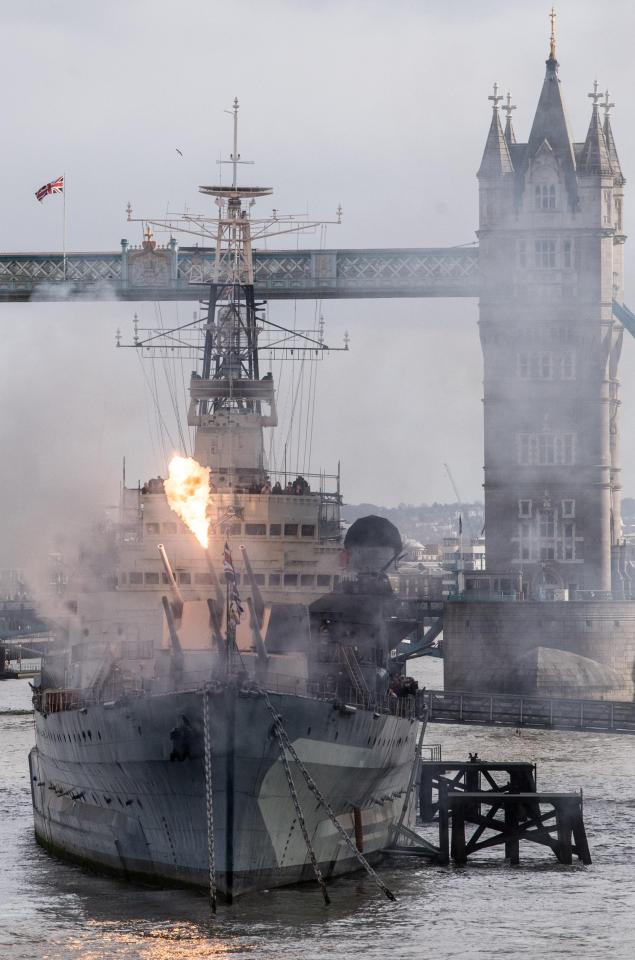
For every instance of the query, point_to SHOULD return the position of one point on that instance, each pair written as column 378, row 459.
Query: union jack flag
column 56, row 186
column 235, row 605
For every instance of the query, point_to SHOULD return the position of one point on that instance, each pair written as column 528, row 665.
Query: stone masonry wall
column 483, row 641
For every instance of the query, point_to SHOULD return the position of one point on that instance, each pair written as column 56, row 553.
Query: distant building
column 13, row 585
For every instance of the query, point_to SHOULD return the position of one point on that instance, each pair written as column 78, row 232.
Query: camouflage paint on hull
column 121, row 787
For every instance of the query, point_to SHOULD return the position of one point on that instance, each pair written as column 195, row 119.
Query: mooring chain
column 313, row 787
column 300, row 816
column 209, row 800
column 411, row 782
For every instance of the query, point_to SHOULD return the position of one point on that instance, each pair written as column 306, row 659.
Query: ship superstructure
column 170, row 720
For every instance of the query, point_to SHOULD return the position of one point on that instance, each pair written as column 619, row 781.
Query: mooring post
column 426, row 807
column 563, row 824
column 458, row 829
column 579, row 836
column 444, row 818
column 472, row 785
column 512, row 851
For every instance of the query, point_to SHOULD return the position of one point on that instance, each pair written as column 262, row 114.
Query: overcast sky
column 380, row 105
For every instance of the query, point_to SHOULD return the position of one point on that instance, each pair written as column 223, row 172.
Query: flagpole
column 227, row 615
column 64, row 227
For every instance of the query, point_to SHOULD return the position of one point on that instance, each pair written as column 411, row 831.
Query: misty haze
column 317, row 529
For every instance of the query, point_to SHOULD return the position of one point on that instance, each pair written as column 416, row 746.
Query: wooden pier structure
column 510, row 818
column 502, row 710
column 500, row 802
column 470, row 776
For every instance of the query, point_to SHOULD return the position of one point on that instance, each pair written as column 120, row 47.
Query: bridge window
column 522, row 253
column 545, row 366
column 545, row 254
column 275, row 529
column 618, row 214
column 274, row 579
column 547, row 525
column 291, row 529
column 203, row 579
column 546, row 449
column 135, row 577
column 323, row 580
column 568, row 508
column 548, row 538
column 524, row 508
column 153, row 528
column 567, row 251
column 151, row 579
column 290, row 579
column 308, row 530
column 185, row 578
column 307, row 580
column 545, row 197
column 567, row 366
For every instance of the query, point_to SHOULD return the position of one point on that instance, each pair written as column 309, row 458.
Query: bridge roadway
column 173, row 273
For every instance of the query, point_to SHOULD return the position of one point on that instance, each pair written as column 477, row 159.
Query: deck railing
column 343, row 696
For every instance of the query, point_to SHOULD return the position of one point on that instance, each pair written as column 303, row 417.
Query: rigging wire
column 179, row 405
column 155, row 423
column 162, row 428
column 170, row 381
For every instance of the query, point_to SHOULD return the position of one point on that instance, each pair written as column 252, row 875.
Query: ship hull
column 121, row 787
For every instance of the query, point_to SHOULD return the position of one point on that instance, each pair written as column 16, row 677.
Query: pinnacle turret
column 496, row 159
column 550, row 121
column 610, row 142
column 510, row 136
column 551, row 125
column 594, row 157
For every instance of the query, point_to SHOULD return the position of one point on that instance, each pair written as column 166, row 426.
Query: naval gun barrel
column 176, row 593
column 258, row 604
column 220, row 596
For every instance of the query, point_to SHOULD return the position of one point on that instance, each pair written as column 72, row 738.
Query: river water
column 54, row 911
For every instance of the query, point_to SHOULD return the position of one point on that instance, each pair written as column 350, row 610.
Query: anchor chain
column 209, row 802
column 411, row 782
column 313, row 787
column 300, row 816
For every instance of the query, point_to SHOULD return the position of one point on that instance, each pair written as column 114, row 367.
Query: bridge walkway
column 501, row 710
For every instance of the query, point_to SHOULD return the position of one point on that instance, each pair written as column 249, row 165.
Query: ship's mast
column 228, row 396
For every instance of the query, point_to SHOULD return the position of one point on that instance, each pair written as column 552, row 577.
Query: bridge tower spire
column 550, row 236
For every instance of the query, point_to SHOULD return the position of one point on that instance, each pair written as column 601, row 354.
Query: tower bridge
column 548, row 272
column 149, row 272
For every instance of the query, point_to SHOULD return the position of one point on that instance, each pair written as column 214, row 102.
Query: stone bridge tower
column 551, row 247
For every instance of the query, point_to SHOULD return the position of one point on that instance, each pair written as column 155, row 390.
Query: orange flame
column 187, row 490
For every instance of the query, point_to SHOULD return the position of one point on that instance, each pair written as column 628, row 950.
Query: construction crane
column 459, row 501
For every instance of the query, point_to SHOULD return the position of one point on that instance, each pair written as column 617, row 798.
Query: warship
column 222, row 708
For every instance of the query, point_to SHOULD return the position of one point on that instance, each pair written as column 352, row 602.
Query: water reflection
column 55, row 911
